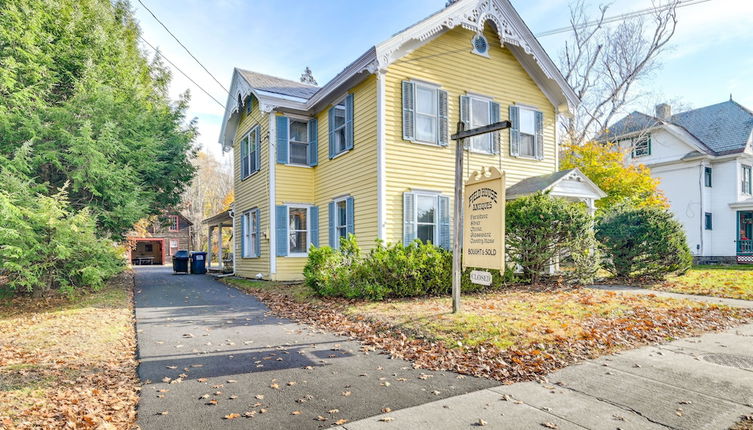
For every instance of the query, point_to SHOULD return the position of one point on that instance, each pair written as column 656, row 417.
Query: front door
column 745, row 236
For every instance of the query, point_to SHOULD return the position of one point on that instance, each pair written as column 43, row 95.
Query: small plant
column 542, row 229
column 643, row 242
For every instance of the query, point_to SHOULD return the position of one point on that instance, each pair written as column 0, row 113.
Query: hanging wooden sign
column 484, row 220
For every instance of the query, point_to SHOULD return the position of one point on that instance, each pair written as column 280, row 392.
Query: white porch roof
column 571, row 183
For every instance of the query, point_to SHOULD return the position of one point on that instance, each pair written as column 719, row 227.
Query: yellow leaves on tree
column 228, row 200
column 605, row 165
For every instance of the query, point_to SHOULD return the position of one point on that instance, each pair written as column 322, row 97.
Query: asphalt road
column 224, row 354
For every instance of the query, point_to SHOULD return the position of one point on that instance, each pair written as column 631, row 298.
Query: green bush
column 541, row 229
column 643, row 242
column 392, row 270
column 44, row 245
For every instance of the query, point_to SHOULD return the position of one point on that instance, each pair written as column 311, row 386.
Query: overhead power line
column 621, row 17
column 184, row 46
column 182, row 72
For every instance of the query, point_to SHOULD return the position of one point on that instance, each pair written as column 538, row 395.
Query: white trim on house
column 381, row 154
column 271, row 150
column 308, row 228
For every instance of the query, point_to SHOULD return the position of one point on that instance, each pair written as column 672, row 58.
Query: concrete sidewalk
column 703, row 382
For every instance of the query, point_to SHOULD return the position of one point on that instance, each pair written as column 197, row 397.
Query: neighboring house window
column 340, row 124
column 526, row 133
column 707, row 176
column 427, row 218
column 250, row 153
column 477, row 112
column 296, row 227
column 424, row 113
column 148, row 247
column 297, row 141
column 250, row 244
column 746, row 179
column 708, row 220
column 173, row 246
column 641, row 147
column 341, row 222
column 174, row 223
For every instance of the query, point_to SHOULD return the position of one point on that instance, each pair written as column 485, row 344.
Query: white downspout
column 703, row 210
column 235, row 241
column 381, row 152
column 272, row 150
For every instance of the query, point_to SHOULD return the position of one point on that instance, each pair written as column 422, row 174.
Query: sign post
column 459, row 139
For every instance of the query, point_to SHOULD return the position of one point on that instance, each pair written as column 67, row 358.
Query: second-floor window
column 250, row 153
column 527, row 132
column 707, row 176
column 424, row 113
column 476, row 111
column 341, row 133
column 299, row 143
column 174, row 223
column 746, row 177
column 641, row 147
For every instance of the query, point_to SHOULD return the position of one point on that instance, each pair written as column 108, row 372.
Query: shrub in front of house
column 541, row 229
column 645, row 242
column 393, row 270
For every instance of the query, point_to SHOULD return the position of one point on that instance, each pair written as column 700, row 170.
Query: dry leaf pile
column 638, row 325
column 69, row 364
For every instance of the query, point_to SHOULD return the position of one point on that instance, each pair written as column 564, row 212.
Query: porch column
column 209, row 247
column 219, row 246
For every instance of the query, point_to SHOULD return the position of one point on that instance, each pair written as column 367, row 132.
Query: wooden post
column 458, row 220
column 209, row 246
column 219, row 247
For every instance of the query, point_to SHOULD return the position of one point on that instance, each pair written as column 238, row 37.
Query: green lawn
column 735, row 282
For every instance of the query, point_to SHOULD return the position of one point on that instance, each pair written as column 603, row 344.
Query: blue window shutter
column 444, row 222
column 257, row 162
column 313, row 142
column 332, row 233
column 281, row 219
column 314, row 223
column 244, row 157
column 409, row 217
column 257, row 227
column 409, row 119
column 539, row 122
column 443, row 134
column 349, row 125
column 494, row 117
column 244, row 228
column 350, row 215
column 282, row 140
column 331, row 127
column 515, row 131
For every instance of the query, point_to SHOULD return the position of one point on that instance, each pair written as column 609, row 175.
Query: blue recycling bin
column 198, row 262
column 180, row 261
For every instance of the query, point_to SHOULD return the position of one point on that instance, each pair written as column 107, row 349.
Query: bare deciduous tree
column 604, row 64
column 210, row 192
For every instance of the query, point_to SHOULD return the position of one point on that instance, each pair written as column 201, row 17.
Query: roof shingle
column 277, row 85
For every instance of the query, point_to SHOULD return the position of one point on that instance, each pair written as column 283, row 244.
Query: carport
column 220, row 256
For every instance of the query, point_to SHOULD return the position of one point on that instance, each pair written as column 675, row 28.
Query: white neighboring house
column 703, row 158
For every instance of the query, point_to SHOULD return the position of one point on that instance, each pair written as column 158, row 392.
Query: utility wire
column 622, row 17
column 182, row 72
column 184, row 46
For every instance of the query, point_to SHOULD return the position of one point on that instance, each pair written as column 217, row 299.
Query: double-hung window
column 298, row 230
column 426, row 217
column 707, row 176
column 338, row 127
column 341, row 219
column 746, row 178
column 250, row 234
column 299, row 142
column 708, row 221
column 427, row 113
column 526, row 133
column 341, row 222
column 641, row 147
column 250, row 153
column 174, row 223
column 476, row 111
column 424, row 113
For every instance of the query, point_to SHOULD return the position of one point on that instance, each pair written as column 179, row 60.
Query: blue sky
column 711, row 54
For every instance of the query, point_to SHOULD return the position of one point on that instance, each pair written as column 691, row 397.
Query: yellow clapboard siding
column 252, row 192
column 448, row 62
column 353, row 173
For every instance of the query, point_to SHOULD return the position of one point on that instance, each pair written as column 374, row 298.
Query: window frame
column 634, row 142
column 707, row 177
column 434, row 88
column 708, row 221
column 248, row 236
column 337, row 226
column 435, row 197
column 340, row 105
column 488, row 136
column 292, row 119
column 746, row 177
column 174, row 223
column 534, row 149
column 308, row 229
column 255, row 130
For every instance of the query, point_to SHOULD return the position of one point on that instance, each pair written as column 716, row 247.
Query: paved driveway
column 215, row 343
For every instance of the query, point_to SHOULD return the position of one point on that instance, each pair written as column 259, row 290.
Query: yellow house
column 369, row 153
